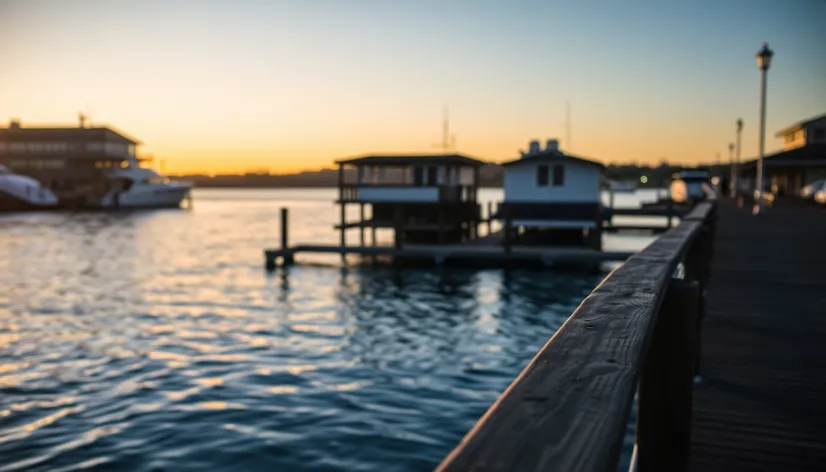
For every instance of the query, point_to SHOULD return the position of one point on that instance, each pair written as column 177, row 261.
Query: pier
column 495, row 249
column 715, row 333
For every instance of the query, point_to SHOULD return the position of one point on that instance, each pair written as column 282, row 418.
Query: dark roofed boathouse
column 425, row 199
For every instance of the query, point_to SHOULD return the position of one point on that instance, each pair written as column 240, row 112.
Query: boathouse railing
column 636, row 335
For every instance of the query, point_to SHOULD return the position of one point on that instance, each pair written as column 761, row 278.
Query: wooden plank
column 569, row 408
column 761, row 403
column 464, row 251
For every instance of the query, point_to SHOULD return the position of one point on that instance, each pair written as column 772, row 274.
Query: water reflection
column 154, row 341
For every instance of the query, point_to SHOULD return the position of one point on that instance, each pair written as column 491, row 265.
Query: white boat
column 622, row 186
column 21, row 193
column 132, row 186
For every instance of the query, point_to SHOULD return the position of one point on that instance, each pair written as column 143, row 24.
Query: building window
column 115, row 149
column 432, row 175
column 418, row 176
column 789, row 138
column 2, row 147
column 17, row 147
column 542, row 176
column 820, row 134
column 559, row 175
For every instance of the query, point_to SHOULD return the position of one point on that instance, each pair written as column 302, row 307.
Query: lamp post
column 764, row 58
column 731, row 169
column 737, row 157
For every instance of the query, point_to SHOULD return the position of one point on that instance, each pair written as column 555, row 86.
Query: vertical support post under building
column 440, row 222
column 342, row 201
column 398, row 225
column 666, row 388
column 361, row 224
column 596, row 233
column 490, row 217
column 508, row 234
column 475, row 184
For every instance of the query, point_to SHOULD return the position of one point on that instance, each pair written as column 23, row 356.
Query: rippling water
column 154, row 340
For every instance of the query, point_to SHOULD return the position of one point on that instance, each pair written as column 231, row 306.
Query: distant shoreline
column 278, row 187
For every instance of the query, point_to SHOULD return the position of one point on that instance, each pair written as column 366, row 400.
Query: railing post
column 669, row 209
column 698, row 267
column 665, row 388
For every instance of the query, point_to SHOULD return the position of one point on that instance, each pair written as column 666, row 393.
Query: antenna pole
column 568, row 125
column 446, row 130
column 448, row 140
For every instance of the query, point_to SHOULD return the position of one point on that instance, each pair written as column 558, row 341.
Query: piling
column 287, row 257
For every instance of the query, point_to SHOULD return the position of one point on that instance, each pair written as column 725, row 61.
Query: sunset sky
column 225, row 86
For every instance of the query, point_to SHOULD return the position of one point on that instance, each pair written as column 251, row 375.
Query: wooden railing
column 349, row 192
column 637, row 332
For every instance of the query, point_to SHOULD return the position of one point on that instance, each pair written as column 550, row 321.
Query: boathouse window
column 542, row 176
column 418, row 176
column 559, row 175
column 432, row 175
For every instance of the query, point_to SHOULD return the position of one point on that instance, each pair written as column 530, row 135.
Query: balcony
column 402, row 193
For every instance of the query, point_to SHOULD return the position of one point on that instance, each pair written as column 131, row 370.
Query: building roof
column 811, row 155
column 405, row 160
column 64, row 134
column 799, row 125
column 552, row 157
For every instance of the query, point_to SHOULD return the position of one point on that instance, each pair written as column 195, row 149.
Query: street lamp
column 764, row 58
column 737, row 157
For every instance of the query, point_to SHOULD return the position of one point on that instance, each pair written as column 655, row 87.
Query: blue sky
column 295, row 84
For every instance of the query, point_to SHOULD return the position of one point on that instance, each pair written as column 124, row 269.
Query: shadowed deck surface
column 762, row 402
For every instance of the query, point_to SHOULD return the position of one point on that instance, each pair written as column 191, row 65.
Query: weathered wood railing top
column 569, row 408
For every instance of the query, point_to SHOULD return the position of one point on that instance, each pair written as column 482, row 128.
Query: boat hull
column 10, row 203
column 160, row 196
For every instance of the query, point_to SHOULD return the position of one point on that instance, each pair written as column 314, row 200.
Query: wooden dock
column 460, row 253
column 762, row 402
column 718, row 327
column 492, row 250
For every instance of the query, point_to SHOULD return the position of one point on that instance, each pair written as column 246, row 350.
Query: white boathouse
column 552, row 197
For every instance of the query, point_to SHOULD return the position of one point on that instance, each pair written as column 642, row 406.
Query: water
column 155, row 340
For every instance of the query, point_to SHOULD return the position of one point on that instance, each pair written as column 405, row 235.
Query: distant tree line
column 490, row 175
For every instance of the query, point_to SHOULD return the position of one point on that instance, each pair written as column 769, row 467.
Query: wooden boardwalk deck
column 762, row 403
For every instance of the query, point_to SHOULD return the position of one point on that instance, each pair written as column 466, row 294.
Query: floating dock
column 458, row 254
column 492, row 250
